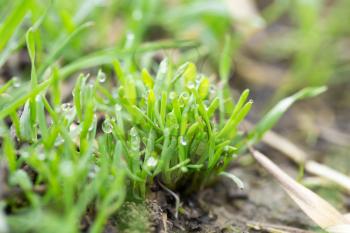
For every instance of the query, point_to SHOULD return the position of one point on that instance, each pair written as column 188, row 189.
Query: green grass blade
column 12, row 21
column 8, row 109
column 271, row 118
column 57, row 51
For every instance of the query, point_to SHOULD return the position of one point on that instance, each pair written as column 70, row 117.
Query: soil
column 224, row 208
column 261, row 207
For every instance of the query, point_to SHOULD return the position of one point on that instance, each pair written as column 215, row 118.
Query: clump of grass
column 177, row 127
column 169, row 129
column 164, row 127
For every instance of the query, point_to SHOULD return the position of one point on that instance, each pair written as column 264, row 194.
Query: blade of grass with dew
column 33, row 79
column 271, row 118
column 241, row 104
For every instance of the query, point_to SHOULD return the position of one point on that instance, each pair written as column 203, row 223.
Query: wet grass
column 89, row 123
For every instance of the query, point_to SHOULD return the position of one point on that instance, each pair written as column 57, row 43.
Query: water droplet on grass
column 93, row 123
column 66, row 107
column 68, row 110
column 107, row 126
column 152, row 162
column 163, row 67
column 130, row 38
column 41, row 156
column 133, row 132
column 185, row 95
column 16, row 82
column 101, row 76
column 24, row 154
column 66, row 168
column 190, row 85
column 91, row 128
column 212, row 89
column 172, row 95
column 59, row 141
column 38, row 98
column 118, row 107
column 183, row 141
column 93, row 171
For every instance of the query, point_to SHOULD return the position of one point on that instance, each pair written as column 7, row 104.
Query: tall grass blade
column 271, row 118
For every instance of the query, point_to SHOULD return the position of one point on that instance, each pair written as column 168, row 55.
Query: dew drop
column 107, row 126
column 183, row 141
column 66, row 107
column 93, row 171
column 212, row 89
column 25, row 154
column 184, row 169
column 226, row 148
column 73, row 127
column 163, row 67
column 93, row 123
column 16, row 82
column 118, row 107
column 101, row 76
column 172, row 95
column 130, row 38
column 190, row 85
column 133, row 132
column 68, row 110
column 185, row 95
column 66, row 168
column 152, row 162
column 38, row 98
column 91, row 128
column 41, row 156
column 59, row 141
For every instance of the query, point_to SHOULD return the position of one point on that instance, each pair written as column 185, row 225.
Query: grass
column 164, row 128
column 313, row 44
column 129, row 122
